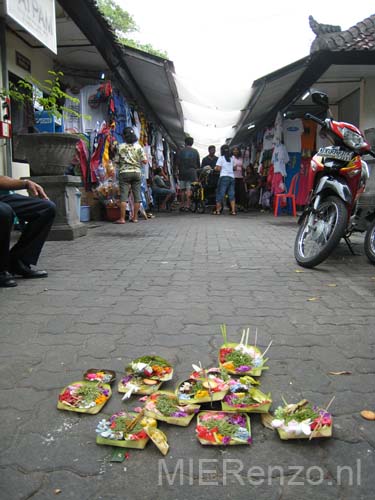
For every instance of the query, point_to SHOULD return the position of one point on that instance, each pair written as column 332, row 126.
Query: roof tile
column 361, row 36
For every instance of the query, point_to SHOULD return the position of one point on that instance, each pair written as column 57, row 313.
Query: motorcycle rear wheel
column 320, row 233
column 370, row 243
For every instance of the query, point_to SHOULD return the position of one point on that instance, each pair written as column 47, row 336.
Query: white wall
column 40, row 61
column 367, row 117
column 40, row 64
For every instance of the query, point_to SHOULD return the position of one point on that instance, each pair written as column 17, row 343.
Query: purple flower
column 105, row 392
column 229, row 398
column 324, row 414
column 179, row 414
column 243, row 368
column 250, row 440
column 237, row 420
column 126, row 379
column 226, row 439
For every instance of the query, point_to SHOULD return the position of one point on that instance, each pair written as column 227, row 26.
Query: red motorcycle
column 336, row 179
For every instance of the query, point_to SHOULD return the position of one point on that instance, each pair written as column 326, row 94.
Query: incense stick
column 269, row 345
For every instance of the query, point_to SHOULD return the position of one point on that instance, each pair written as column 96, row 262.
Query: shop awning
column 268, row 94
column 155, row 78
column 145, row 78
column 87, row 46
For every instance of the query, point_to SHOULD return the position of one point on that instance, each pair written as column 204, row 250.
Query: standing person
column 210, row 176
column 129, row 157
column 39, row 213
column 225, row 165
column 240, row 192
column 188, row 162
column 211, row 159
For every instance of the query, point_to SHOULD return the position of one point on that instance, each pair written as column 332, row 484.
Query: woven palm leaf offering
column 203, row 386
column 244, row 396
column 95, row 375
column 125, row 429
column 158, row 438
column 302, row 421
column 218, row 428
column 84, row 397
column 165, row 406
column 145, row 375
column 242, row 358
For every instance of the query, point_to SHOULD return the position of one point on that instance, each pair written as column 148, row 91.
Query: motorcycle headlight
column 352, row 139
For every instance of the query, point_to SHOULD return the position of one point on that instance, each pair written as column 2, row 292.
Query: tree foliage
column 124, row 25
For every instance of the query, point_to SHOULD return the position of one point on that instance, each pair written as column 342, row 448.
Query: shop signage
column 23, row 61
column 37, row 17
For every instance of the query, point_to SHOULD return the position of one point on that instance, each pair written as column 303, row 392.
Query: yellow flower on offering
column 201, row 394
column 228, row 365
column 148, row 422
column 100, row 399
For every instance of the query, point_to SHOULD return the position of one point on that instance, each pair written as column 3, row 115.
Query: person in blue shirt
column 38, row 212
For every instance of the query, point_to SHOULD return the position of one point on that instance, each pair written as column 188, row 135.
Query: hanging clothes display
column 122, row 114
column 94, row 107
column 292, row 132
column 280, row 158
column 292, row 168
column 303, row 192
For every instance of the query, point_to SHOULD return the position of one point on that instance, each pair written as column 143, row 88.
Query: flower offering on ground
column 244, row 396
column 145, row 375
column 302, row 420
column 203, row 386
column 84, row 397
column 124, row 429
column 106, row 376
column 221, row 428
column 241, row 358
column 164, row 405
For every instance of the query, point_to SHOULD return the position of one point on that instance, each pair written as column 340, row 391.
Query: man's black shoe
column 6, row 280
column 20, row 269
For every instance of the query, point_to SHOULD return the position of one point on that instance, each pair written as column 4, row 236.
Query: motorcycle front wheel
column 320, row 232
column 370, row 243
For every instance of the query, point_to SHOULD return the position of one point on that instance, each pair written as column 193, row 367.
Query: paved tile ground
column 164, row 286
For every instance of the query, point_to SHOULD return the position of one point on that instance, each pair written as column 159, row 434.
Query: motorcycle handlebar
column 308, row 116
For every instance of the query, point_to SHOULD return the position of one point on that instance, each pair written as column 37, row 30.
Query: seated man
column 161, row 190
column 39, row 213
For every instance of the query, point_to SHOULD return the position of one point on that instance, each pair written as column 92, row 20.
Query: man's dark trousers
column 39, row 215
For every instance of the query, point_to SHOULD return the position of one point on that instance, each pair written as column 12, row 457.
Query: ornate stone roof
column 361, row 36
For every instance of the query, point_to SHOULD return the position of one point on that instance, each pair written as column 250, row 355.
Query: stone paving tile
column 164, row 287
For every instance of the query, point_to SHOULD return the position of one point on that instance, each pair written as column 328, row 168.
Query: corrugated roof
column 147, row 78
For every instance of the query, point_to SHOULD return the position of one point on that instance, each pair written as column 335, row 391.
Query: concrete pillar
column 62, row 190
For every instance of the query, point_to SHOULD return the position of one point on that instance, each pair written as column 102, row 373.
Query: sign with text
column 37, row 17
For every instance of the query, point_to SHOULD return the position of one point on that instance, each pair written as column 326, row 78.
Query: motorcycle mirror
column 320, row 98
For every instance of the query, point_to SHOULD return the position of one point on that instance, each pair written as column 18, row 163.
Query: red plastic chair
column 291, row 194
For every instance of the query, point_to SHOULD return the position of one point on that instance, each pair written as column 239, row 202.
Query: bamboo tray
column 180, row 421
column 233, row 441
column 215, row 396
column 254, row 372
column 92, row 410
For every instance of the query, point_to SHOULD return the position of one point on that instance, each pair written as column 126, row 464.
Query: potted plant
column 47, row 153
